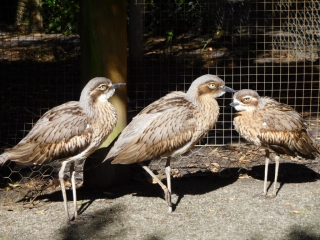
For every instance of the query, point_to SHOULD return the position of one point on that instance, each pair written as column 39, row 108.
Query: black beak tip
column 228, row 89
column 116, row 85
column 232, row 90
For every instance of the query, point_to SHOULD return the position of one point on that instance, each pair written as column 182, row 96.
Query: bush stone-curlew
column 266, row 122
column 69, row 132
column 170, row 126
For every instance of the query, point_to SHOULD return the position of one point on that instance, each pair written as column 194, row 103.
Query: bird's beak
column 227, row 89
column 233, row 104
column 116, row 85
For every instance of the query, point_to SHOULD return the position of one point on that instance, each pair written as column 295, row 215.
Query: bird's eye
column 212, row 85
column 102, row 87
column 246, row 99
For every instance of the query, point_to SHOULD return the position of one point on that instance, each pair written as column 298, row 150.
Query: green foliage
column 175, row 16
column 61, row 16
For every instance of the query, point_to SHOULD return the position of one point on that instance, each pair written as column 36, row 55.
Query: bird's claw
column 268, row 196
column 271, row 196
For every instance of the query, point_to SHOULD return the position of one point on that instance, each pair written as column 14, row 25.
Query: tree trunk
column 31, row 10
column 36, row 15
column 104, row 54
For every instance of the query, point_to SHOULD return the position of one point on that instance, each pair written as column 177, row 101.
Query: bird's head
column 245, row 100
column 98, row 89
column 206, row 85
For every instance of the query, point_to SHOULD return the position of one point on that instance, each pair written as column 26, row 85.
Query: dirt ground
column 204, row 208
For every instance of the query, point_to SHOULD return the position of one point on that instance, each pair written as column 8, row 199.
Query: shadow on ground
column 99, row 221
column 303, row 233
column 180, row 187
column 187, row 185
column 288, row 173
column 297, row 232
column 107, row 222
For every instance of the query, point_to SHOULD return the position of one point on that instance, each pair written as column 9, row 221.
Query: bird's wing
column 160, row 129
column 281, row 117
column 171, row 100
column 61, row 132
column 285, row 131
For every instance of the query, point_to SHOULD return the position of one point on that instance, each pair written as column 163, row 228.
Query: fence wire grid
column 268, row 46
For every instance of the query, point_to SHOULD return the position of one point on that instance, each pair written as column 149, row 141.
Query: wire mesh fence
column 268, row 46
column 38, row 70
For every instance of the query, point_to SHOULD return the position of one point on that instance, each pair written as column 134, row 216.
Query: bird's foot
column 270, row 196
column 84, row 216
column 265, row 195
column 260, row 195
column 80, row 219
column 74, row 222
column 75, row 215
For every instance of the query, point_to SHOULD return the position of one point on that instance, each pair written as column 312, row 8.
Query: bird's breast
column 248, row 125
column 103, row 122
column 207, row 115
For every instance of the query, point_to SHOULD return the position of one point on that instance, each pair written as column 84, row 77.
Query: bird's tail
column 317, row 152
column 305, row 147
column 3, row 158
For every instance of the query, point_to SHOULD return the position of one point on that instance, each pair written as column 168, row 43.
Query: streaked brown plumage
column 266, row 122
column 170, row 126
column 69, row 132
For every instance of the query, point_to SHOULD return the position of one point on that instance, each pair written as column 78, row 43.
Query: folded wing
column 285, row 131
column 158, row 130
column 61, row 132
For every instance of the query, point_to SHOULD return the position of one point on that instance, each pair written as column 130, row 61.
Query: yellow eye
column 212, row 85
column 102, row 87
column 246, row 99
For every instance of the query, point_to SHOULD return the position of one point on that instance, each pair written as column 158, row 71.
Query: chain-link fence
column 297, row 37
column 269, row 46
column 39, row 69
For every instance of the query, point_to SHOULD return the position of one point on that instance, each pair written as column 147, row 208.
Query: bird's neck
column 207, row 102
column 103, row 118
column 208, row 108
column 100, row 110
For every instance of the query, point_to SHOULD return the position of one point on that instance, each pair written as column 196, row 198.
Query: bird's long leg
column 168, row 174
column 275, row 175
column 74, row 190
column 167, row 194
column 63, row 189
column 266, row 173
